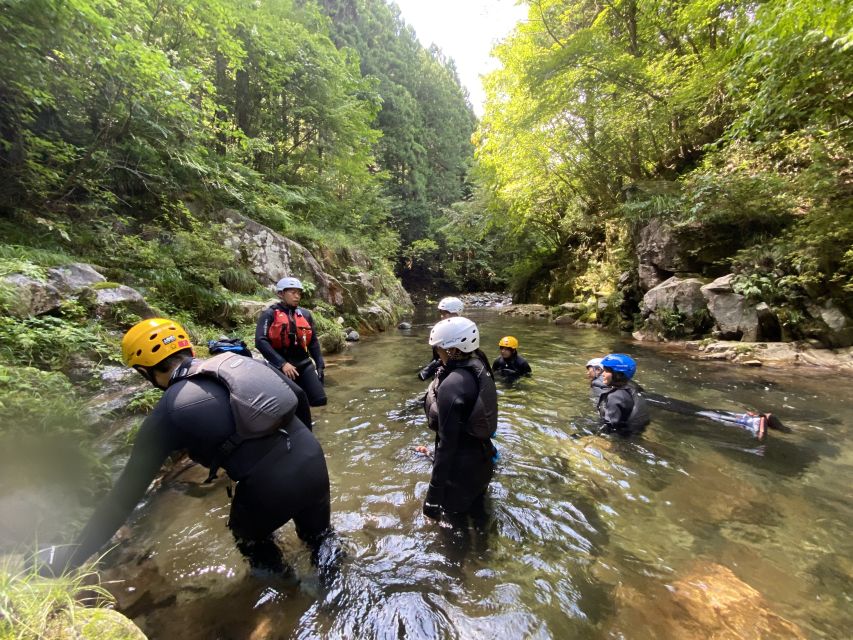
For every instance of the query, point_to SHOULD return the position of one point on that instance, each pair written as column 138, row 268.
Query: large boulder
column 658, row 253
column 734, row 316
column 30, row 296
column 73, row 278
column 113, row 301
column 357, row 282
column 676, row 307
column 271, row 256
column 526, row 311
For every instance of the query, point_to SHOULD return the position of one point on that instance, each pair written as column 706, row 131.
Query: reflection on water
column 692, row 530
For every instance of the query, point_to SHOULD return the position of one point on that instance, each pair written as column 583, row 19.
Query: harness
column 284, row 334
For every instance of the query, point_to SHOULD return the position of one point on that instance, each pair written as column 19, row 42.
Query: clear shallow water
column 692, row 530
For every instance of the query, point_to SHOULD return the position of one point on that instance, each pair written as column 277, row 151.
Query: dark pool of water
column 694, row 528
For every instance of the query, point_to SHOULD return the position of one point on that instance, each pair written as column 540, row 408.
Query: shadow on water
column 583, row 534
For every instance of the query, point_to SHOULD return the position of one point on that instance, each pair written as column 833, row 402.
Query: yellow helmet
column 509, row 342
column 151, row 341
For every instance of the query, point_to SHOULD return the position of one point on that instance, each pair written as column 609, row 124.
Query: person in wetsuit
column 447, row 308
column 286, row 336
column 622, row 409
column 280, row 476
column 461, row 407
column 756, row 424
column 509, row 365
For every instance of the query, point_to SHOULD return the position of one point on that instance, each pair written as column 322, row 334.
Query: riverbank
column 755, row 354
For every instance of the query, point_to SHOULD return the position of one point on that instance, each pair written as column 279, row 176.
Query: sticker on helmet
column 169, row 339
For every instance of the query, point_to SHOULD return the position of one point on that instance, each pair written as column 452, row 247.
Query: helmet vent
column 155, row 348
column 153, row 336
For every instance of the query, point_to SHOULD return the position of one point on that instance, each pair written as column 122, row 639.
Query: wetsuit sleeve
column 452, row 412
column 262, row 340
column 496, row 365
column 314, row 345
column 617, row 409
column 154, row 442
column 524, row 367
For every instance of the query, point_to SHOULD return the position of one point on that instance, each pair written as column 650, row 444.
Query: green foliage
column 34, row 607
column 144, row 401
column 47, row 341
column 32, row 400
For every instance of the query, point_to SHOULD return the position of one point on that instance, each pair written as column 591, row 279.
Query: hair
column 619, row 378
column 172, row 360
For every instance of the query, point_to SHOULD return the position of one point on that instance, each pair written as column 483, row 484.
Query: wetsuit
column 461, row 401
column 310, row 373
column 512, row 368
column 754, row 423
column 278, row 477
column 623, row 411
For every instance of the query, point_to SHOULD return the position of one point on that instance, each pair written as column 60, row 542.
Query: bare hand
column 290, row 371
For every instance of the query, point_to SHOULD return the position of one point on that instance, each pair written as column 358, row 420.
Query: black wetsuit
column 512, row 368
column 308, row 378
column 623, row 411
column 276, row 480
column 463, row 466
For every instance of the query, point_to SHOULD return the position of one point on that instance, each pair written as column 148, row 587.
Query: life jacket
column 482, row 422
column 284, row 336
column 261, row 403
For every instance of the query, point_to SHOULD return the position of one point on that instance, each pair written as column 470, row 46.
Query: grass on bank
column 34, row 607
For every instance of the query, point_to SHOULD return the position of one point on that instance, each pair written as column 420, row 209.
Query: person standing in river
column 280, row 471
column 447, row 308
column 509, row 364
column 462, row 408
column 286, row 336
column 622, row 409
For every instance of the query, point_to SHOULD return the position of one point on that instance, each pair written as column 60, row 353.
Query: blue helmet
column 620, row 363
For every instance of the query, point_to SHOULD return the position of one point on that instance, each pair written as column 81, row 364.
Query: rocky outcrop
column 359, row 287
column 526, row 311
column 30, row 296
column 772, row 353
column 676, row 307
column 736, row 317
column 658, row 254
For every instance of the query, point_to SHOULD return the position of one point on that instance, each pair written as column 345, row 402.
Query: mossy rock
column 82, row 623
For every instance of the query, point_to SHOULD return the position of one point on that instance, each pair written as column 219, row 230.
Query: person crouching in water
column 462, row 408
column 622, row 409
column 280, row 470
column 509, row 364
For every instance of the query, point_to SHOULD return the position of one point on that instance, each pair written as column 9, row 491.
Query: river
column 695, row 529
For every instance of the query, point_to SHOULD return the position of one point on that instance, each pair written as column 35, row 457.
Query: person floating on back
column 229, row 412
column 447, row 308
column 622, row 409
column 286, row 336
column 509, row 365
column 756, row 424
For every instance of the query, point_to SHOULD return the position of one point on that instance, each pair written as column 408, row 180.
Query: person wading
column 447, row 308
column 229, row 412
column 461, row 407
column 286, row 336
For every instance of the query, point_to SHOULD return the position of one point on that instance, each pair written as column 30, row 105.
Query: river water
column 694, row 530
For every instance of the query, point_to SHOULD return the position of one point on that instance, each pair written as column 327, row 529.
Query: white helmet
column 288, row 283
column 595, row 362
column 451, row 305
column 456, row 332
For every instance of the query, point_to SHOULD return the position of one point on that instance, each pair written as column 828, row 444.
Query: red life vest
column 280, row 333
